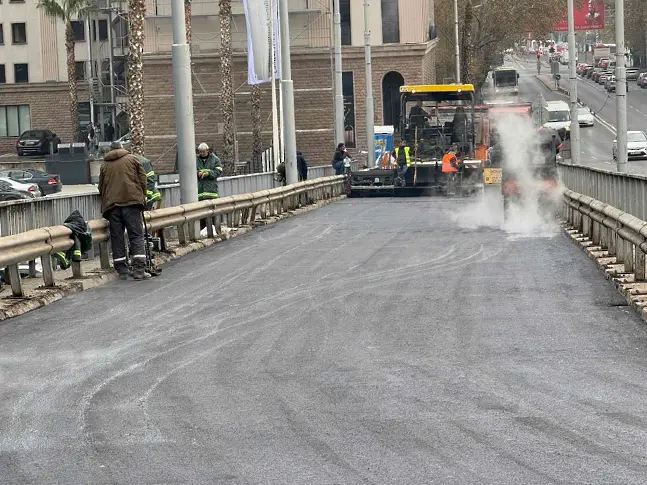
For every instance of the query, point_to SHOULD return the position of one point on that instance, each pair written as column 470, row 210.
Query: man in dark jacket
column 302, row 167
column 122, row 186
column 338, row 158
column 209, row 169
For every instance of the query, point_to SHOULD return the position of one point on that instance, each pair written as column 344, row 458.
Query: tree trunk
column 257, row 125
column 72, row 83
column 187, row 20
column 226, row 91
column 467, row 53
column 136, row 12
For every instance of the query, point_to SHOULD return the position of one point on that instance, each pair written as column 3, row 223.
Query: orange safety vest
column 448, row 158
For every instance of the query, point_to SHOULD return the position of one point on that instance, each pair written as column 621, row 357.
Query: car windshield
column 583, row 111
column 32, row 134
column 636, row 137
column 554, row 116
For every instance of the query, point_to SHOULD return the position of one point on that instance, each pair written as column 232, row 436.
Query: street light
column 572, row 77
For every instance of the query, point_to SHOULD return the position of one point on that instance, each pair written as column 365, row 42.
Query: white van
column 556, row 115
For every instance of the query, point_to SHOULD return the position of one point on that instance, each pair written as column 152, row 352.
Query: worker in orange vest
column 450, row 162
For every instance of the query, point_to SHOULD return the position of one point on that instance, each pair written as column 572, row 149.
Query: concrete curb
column 635, row 293
column 96, row 278
column 560, row 89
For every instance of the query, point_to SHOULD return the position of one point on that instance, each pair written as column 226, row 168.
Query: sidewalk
column 548, row 81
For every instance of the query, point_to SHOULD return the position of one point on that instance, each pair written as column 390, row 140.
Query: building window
column 100, row 30
column 3, row 74
column 19, row 33
column 390, row 22
column 14, row 120
column 80, row 70
column 349, row 108
column 1, row 35
column 344, row 14
column 16, row 1
column 78, row 30
column 21, row 73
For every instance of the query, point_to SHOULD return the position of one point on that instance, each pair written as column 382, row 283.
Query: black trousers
column 128, row 218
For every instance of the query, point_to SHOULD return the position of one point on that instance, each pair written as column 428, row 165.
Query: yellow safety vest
column 406, row 154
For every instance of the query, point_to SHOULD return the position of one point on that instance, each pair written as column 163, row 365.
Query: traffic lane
column 371, row 341
column 596, row 140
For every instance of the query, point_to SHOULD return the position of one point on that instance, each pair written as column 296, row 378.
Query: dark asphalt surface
column 373, row 341
column 597, row 141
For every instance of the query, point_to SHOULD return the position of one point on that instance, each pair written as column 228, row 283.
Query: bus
column 505, row 81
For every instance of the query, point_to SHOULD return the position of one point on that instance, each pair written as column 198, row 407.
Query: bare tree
column 257, row 126
column 136, row 13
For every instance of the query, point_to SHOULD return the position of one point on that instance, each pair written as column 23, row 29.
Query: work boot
column 122, row 270
column 140, row 273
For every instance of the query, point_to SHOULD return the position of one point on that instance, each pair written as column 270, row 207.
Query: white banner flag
column 259, row 41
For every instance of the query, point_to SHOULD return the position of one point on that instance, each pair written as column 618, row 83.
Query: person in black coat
column 338, row 158
column 302, row 167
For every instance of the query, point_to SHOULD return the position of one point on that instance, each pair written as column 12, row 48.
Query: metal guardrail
column 235, row 210
column 622, row 235
column 25, row 215
column 623, row 191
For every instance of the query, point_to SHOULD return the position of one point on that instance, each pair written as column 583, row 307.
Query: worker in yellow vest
column 403, row 159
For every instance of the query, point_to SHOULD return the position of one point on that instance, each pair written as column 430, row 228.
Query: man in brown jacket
column 122, row 186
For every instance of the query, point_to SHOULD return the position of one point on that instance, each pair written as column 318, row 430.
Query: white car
column 31, row 190
column 636, row 145
column 585, row 117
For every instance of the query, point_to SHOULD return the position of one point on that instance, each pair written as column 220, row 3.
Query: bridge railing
column 25, row 215
column 623, row 191
column 234, row 210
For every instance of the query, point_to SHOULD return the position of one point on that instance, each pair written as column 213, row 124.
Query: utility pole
column 572, row 78
column 456, row 48
column 370, row 115
column 287, row 89
column 621, row 89
column 184, row 122
column 339, row 93
column 276, row 143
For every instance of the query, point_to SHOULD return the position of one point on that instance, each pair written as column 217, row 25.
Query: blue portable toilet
column 383, row 141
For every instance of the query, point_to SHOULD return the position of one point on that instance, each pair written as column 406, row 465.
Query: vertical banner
column 260, row 17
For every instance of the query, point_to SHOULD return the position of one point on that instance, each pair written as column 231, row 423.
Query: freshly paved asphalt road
column 374, row 341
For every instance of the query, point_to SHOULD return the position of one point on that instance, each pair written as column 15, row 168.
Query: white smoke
column 527, row 217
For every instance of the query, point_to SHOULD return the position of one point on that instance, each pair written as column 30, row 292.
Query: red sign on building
column 590, row 17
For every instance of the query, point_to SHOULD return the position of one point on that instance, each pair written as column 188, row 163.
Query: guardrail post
column 32, row 268
column 619, row 247
column 104, row 255
column 639, row 270
column 48, row 270
column 209, row 221
column 15, row 281
column 604, row 237
column 595, row 232
column 181, row 234
column 218, row 224
column 76, row 270
column 629, row 257
column 611, row 233
column 586, row 225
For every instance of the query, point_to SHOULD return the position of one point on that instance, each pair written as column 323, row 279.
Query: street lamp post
column 621, row 89
column 370, row 115
column 339, row 94
column 287, row 89
column 572, row 77
column 456, row 47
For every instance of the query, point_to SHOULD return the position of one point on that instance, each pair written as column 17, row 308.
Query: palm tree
column 257, row 125
column 136, row 13
column 226, row 91
column 66, row 11
column 187, row 20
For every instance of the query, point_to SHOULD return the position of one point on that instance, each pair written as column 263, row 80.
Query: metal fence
column 620, row 190
column 21, row 216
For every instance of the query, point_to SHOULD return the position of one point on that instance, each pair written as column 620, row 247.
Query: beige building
column 403, row 49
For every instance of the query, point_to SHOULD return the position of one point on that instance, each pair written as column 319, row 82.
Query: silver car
column 30, row 190
column 585, row 116
column 636, row 145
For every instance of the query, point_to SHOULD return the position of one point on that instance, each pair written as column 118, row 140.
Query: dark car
column 7, row 192
column 47, row 183
column 37, row 142
column 642, row 80
column 632, row 73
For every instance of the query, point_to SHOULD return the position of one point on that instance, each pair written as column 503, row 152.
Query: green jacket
column 152, row 194
column 81, row 236
column 210, row 168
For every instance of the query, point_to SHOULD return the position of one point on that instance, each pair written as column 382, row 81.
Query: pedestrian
column 209, row 169
column 110, row 132
column 338, row 159
column 302, row 167
column 122, row 186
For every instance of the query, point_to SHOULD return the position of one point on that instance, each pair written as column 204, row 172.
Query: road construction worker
column 209, row 169
column 403, row 158
column 418, row 116
column 153, row 195
column 450, row 162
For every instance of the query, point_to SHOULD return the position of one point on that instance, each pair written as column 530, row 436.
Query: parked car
column 610, row 84
column 642, row 80
column 47, row 183
column 30, row 190
column 587, row 71
column 632, row 73
column 585, row 117
column 37, row 142
column 636, row 145
column 602, row 79
column 7, row 193
column 595, row 73
column 581, row 68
